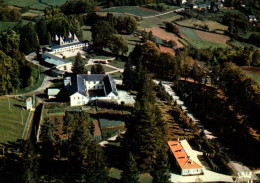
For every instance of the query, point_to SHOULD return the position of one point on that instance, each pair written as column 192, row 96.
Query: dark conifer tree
column 79, row 66
column 130, row 171
column 29, row 163
column 47, row 139
column 161, row 172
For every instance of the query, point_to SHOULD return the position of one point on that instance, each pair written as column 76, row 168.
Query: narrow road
column 165, row 13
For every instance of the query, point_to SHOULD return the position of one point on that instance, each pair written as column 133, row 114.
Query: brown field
column 165, row 49
column 14, row 7
column 251, row 69
column 206, row 36
column 162, row 34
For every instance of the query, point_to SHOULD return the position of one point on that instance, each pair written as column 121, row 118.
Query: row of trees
column 16, row 72
column 78, row 6
column 103, row 36
column 146, row 136
column 215, row 56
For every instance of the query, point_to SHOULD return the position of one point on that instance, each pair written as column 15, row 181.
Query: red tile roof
column 181, row 156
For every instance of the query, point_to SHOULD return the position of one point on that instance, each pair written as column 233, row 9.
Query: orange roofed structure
column 183, row 158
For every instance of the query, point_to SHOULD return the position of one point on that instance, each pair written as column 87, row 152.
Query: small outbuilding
column 53, row 92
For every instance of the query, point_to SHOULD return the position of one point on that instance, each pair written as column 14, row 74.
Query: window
column 100, row 82
column 82, row 98
column 78, row 98
column 94, row 82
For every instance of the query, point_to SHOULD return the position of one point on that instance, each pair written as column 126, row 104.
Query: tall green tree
column 29, row 41
column 29, row 163
column 47, row 140
column 130, row 171
column 161, row 169
column 79, row 66
column 86, row 157
column 97, row 69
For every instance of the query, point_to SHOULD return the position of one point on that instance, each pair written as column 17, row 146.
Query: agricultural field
column 163, row 34
column 33, row 13
column 6, row 25
column 12, row 122
column 54, row 3
column 130, row 10
column 213, row 25
column 217, row 38
column 200, row 41
column 35, row 4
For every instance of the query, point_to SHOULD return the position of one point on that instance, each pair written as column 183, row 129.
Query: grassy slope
column 197, row 42
column 11, row 127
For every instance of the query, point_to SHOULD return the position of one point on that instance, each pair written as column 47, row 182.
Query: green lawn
column 117, row 75
column 143, row 178
column 11, row 124
column 106, row 69
column 117, row 63
column 131, row 10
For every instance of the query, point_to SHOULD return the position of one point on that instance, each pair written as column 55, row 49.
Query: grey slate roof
column 79, row 80
column 63, row 46
column 48, row 55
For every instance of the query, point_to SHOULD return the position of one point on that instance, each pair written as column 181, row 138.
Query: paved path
column 47, row 82
column 165, row 13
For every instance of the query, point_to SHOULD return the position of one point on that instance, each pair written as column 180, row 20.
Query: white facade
column 67, row 48
column 191, row 171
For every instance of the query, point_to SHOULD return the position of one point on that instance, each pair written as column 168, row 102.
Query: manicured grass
column 117, row 75
column 106, row 69
column 11, row 124
column 117, row 63
column 131, row 10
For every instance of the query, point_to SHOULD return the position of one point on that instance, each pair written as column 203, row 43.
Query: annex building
column 84, row 88
column 69, row 43
column 185, row 156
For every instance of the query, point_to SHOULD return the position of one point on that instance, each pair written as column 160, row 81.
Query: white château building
column 68, row 43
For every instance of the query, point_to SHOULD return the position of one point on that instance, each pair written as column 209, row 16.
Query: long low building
column 184, row 158
column 58, row 64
